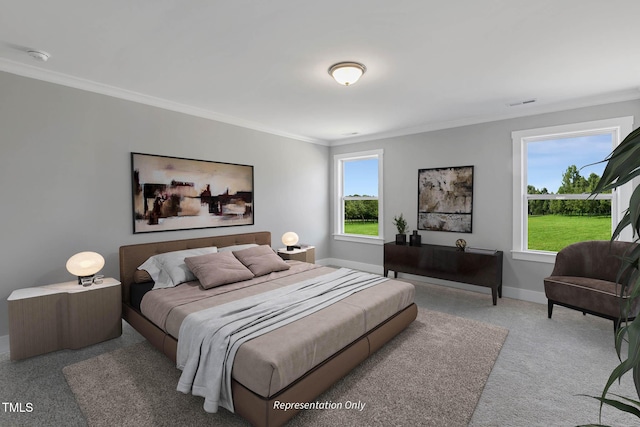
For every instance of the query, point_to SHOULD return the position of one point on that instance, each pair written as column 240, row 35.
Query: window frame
column 618, row 127
column 338, row 163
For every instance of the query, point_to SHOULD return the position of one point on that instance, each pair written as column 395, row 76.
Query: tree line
column 361, row 210
column 572, row 183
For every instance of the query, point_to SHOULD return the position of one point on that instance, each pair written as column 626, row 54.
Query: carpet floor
column 432, row 374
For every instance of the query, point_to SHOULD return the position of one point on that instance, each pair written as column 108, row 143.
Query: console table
column 448, row 263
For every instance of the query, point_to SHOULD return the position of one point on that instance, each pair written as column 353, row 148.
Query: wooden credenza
column 448, row 263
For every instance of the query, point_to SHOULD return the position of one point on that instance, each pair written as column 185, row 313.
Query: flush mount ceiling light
column 347, row 73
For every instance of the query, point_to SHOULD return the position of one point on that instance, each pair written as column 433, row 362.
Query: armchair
column 584, row 279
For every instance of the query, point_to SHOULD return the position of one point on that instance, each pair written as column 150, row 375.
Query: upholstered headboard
column 132, row 256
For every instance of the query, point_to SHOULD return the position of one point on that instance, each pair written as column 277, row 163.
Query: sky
column 548, row 160
column 361, row 177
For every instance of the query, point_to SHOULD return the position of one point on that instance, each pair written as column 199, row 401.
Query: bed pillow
column 217, row 269
column 168, row 269
column 233, row 248
column 261, row 260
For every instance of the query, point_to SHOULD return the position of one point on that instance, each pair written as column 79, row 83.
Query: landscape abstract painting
column 171, row 193
column 445, row 199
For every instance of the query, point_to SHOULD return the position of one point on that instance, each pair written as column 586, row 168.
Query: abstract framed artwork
column 445, row 199
column 172, row 193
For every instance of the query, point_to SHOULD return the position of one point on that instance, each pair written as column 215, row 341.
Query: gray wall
column 488, row 147
column 65, row 159
column 66, row 180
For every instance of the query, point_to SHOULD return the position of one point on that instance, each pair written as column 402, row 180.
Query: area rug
column 432, row 374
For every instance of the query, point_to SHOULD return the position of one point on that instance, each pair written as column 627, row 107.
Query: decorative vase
column 415, row 239
column 401, row 239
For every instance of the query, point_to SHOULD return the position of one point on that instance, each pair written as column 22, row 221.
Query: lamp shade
column 347, row 73
column 289, row 239
column 85, row 264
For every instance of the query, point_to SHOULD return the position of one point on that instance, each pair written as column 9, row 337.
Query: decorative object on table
column 171, row 193
column 85, row 265
column 415, row 239
column 445, row 199
column 461, row 244
column 401, row 226
column 290, row 240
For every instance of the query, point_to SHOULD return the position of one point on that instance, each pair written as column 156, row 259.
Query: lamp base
column 290, row 248
column 85, row 280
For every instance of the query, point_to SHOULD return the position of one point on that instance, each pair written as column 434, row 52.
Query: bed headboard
column 132, row 256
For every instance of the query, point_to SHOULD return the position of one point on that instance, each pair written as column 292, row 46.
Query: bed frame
column 256, row 409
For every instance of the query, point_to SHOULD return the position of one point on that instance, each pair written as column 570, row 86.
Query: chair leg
column 549, row 308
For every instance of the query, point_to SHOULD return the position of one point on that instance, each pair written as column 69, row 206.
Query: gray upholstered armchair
column 584, row 279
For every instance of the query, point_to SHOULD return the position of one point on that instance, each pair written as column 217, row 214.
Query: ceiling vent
column 39, row 55
column 528, row 101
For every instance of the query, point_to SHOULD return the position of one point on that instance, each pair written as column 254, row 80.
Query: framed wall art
column 172, row 193
column 445, row 199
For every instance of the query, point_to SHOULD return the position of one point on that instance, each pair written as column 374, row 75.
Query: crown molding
column 55, row 77
column 520, row 111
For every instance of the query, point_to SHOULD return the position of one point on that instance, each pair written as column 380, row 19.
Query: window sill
column 371, row 240
column 536, row 256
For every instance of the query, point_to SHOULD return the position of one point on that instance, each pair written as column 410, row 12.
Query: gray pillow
column 217, row 269
column 261, row 260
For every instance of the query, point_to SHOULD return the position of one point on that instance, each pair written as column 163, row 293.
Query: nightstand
column 63, row 316
column 306, row 254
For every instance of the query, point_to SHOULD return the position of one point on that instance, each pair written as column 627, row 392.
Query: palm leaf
column 623, row 165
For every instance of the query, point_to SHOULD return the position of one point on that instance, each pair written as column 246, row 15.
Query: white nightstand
column 306, row 254
column 63, row 315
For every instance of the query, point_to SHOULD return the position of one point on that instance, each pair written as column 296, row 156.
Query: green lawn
column 363, row 228
column 546, row 232
column 554, row 232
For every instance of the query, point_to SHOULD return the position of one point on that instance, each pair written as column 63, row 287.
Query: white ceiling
column 263, row 64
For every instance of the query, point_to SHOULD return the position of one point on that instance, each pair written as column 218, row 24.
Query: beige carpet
column 432, row 374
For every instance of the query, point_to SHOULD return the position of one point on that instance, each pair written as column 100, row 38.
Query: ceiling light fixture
column 347, row 73
column 39, row 55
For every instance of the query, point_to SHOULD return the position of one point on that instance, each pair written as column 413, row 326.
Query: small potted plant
column 401, row 225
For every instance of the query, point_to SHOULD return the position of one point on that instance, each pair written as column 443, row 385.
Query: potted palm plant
column 623, row 164
column 401, row 226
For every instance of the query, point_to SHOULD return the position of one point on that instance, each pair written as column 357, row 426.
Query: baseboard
column 4, row 344
column 370, row 268
column 507, row 292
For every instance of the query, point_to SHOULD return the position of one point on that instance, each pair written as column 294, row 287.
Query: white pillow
column 168, row 269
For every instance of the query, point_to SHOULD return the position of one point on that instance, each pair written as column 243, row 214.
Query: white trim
column 515, row 112
column 371, row 240
column 37, row 73
column 338, row 227
column 129, row 95
column 536, row 256
column 619, row 127
column 4, row 344
column 370, row 268
column 507, row 292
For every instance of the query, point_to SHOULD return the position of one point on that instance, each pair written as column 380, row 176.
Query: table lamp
column 290, row 240
column 85, row 265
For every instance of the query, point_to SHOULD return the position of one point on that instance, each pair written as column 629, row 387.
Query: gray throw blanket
column 209, row 339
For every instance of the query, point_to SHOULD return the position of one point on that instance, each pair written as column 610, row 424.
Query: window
column 358, row 213
column 553, row 176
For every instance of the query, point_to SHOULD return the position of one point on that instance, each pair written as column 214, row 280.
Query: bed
column 324, row 346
